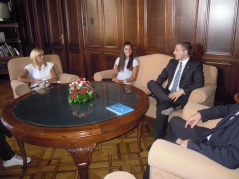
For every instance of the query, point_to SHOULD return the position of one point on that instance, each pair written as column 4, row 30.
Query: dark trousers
column 161, row 96
column 6, row 152
column 176, row 129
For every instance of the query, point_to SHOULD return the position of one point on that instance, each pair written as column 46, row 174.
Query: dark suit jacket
column 223, row 146
column 192, row 76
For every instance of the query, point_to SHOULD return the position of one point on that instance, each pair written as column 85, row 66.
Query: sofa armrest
column 200, row 95
column 19, row 88
column 184, row 163
column 192, row 108
column 67, row 78
column 98, row 76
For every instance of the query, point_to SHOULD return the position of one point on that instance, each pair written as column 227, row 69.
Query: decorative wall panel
column 154, row 24
column 131, row 21
column 92, row 22
column 93, row 64
column 221, row 27
column 110, row 60
column 111, row 23
column 185, row 20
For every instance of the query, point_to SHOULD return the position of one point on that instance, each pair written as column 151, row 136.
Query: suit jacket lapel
column 186, row 68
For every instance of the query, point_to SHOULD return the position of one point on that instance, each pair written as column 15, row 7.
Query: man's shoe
column 15, row 160
column 169, row 110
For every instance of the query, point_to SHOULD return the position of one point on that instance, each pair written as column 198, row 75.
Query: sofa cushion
column 150, row 67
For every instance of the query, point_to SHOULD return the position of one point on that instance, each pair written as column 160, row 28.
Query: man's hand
column 184, row 143
column 193, row 120
column 174, row 96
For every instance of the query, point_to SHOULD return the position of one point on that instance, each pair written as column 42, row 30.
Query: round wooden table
column 81, row 135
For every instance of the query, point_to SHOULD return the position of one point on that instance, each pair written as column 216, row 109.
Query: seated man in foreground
column 220, row 144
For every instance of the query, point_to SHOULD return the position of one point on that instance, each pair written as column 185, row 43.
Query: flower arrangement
column 80, row 91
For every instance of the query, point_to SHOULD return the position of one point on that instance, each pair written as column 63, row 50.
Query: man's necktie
column 176, row 79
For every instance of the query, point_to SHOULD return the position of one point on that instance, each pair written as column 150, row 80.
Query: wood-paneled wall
column 153, row 26
column 156, row 26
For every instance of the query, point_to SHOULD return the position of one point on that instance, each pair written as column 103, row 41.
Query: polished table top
column 27, row 116
column 50, row 107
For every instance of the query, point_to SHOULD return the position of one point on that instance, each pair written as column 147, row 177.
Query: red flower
column 75, row 90
column 73, row 95
column 83, row 91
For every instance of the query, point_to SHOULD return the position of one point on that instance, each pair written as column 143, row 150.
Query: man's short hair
column 187, row 46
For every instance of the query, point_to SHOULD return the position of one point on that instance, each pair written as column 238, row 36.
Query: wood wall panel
column 111, row 24
column 221, row 27
column 154, row 24
column 110, row 60
column 92, row 22
column 224, row 70
column 131, row 21
column 75, row 67
column 73, row 37
column 202, row 19
column 55, row 20
column 168, row 38
column 35, row 20
column 72, row 25
column 185, row 20
column 93, row 64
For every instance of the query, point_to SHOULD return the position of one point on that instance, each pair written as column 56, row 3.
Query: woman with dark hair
column 126, row 66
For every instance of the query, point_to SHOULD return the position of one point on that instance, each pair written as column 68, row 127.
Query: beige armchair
column 16, row 66
column 171, row 161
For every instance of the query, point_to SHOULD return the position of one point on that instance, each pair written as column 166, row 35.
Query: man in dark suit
column 220, row 144
column 184, row 75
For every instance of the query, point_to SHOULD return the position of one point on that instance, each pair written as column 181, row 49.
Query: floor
column 119, row 154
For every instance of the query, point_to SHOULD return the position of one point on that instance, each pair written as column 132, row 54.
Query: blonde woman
column 39, row 70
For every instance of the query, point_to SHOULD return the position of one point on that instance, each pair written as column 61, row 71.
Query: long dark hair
column 123, row 58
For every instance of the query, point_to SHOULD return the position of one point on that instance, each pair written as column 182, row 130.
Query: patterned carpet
column 119, row 154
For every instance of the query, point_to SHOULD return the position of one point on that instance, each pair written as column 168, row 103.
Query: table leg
column 139, row 135
column 23, row 153
column 82, row 157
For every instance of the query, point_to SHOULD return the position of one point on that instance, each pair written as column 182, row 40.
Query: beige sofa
column 16, row 66
column 152, row 65
column 171, row 161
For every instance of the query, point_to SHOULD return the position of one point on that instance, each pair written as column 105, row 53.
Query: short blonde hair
column 34, row 54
